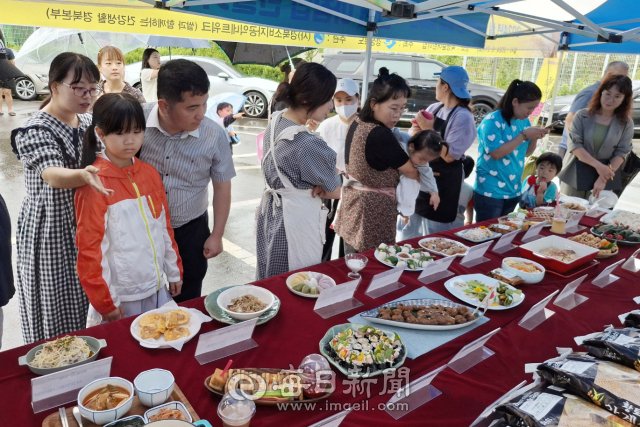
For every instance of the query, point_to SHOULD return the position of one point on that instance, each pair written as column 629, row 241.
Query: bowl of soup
column 105, row 400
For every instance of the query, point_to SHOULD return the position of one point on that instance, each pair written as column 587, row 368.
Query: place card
column 58, row 388
column 596, row 211
column 632, row 264
column 226, row 341
column 606, row 278
column 573, row 224
column 385, row 282
column 413, row 395
column 475, row 255
column 334, row 420
column 437, row 270
column 568, row 298
column 488, row 416
column 533, row 233
column 504, row 243
column 337, row 299
column 538, row 313
column 472, row 353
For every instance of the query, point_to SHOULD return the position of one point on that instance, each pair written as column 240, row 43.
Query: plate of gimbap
column 361, row 350
column 413, row 259
column 424, row 314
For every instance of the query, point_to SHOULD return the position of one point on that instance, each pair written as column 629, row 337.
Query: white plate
column 193, row 326
column 488, row 281
column 463, row 234
column 303, row 294
column 372, row 315
column 440, row 253
column 393, row 266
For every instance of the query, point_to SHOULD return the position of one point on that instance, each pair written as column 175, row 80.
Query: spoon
column 77, row 416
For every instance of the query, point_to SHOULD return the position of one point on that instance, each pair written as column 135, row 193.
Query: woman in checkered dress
column 298, row 168
column 52, row 302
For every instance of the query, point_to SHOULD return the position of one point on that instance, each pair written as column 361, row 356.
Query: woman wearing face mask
column 454, row 120
column 49, row 144
column 373, row 159
column 599, row 140
column 298, row 169
column 149, row 74
column 111, row 66
column 334, row 132
column 505, row 138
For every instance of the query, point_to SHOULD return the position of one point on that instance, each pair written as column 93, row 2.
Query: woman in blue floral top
column 505, row 138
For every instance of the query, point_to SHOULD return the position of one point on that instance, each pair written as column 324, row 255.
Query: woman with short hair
column 599, row 140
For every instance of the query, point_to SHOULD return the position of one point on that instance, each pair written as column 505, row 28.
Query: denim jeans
column 489, row 208
column 415, row 228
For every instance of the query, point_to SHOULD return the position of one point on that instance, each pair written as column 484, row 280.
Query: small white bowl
column 530, row 278
column 104, row 417
column 154, row 386
column 169, row 405
column 224, row 299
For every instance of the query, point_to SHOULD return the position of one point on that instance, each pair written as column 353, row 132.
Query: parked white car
column 37, row 80
column 223, row 78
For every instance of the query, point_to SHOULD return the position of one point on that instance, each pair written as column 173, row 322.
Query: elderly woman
column 599, row 140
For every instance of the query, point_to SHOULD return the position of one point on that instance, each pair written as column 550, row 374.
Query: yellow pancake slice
column 176, row 333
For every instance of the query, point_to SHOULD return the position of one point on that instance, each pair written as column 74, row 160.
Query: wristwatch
column 524, row 134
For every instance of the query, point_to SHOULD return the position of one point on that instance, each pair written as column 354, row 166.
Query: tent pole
column 555, row 88
column 367, row 64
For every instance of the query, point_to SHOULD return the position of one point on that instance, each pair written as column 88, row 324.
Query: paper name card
column 476, row 252
column 437, row 266
column 383, row 279
column 574, row 221
column 62, row 387
column 336, row 294
column 225, row 337
column 473, row 346
column 505, row 240
column 415, row 385
column 334, row 420
column 534, row 230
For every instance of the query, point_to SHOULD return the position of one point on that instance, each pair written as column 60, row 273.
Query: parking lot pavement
column 236, row 265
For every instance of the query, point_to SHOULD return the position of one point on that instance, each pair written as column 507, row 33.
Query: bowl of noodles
column 62, row 353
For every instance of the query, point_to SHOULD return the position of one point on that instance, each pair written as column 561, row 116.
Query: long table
column 296, row 331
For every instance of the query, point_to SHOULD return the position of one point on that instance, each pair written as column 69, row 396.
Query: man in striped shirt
column 189, row 150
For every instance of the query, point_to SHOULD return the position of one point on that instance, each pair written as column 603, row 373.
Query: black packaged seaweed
column 618, row 345
column 543, row 406
column 632, row 320
column 606, row 384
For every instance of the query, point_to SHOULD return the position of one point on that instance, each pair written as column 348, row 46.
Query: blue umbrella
column 235, row 99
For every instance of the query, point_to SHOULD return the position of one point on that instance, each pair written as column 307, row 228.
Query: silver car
column 37, row 80
column 223, row 78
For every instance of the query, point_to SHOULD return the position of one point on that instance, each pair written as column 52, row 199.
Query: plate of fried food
column 169, row 326
column 606, row 249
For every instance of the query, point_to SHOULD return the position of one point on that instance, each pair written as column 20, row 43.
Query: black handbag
column 587, row 175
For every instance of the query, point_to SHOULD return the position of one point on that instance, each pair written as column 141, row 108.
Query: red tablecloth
column 296, row 331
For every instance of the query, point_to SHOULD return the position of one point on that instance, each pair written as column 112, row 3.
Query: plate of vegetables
column 413, row 259
column 617, row 233
column 473, row 288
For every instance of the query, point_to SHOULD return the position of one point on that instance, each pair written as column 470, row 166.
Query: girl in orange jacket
column 126, row 249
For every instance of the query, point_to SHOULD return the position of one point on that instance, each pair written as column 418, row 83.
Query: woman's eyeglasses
column 397, row 111
column 81, row 92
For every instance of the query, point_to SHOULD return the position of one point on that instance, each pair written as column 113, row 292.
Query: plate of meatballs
column 424, row 314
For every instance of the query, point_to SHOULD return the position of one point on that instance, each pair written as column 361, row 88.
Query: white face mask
column 346, row 111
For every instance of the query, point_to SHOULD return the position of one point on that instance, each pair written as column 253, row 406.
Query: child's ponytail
column 89, row 146
column 112, row 113
column 428, row 139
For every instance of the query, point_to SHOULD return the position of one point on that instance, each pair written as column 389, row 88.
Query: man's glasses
column 81, row 92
